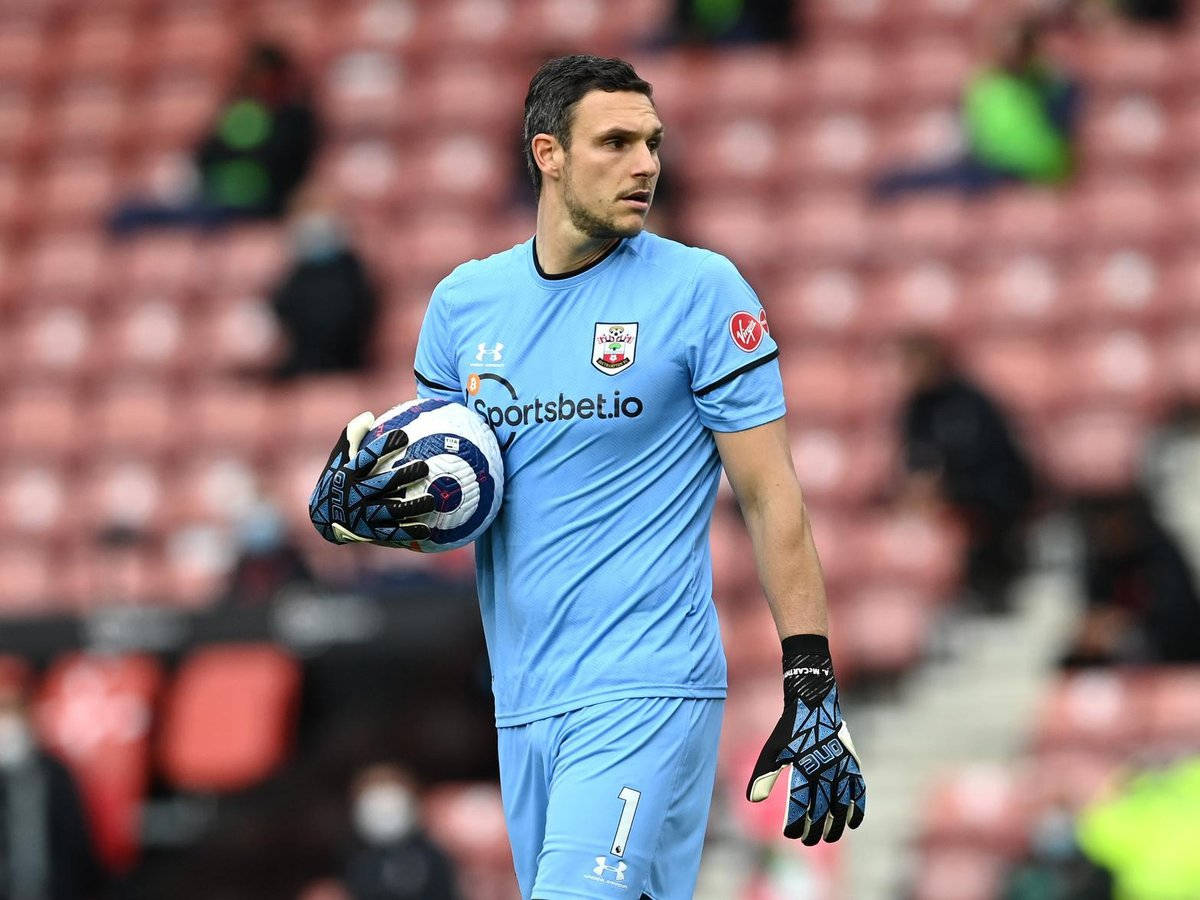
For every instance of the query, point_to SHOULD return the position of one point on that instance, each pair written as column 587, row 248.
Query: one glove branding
column 826, row 790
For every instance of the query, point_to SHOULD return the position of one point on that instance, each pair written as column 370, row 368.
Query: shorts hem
column 688, row 692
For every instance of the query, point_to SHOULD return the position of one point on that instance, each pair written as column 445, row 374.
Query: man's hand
column 359, row 497
column 827, row 788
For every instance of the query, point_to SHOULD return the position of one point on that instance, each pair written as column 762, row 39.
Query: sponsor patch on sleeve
column 747, row 330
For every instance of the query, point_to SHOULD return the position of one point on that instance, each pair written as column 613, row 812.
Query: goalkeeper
column 621, row 371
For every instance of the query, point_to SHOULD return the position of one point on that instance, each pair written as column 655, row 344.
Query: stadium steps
column 974, row 701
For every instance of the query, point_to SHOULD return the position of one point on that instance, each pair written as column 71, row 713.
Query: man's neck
column 562, row 248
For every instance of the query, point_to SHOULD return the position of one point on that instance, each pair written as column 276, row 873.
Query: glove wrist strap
column 804, row 645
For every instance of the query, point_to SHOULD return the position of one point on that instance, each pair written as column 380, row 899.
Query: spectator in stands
column 325, row 303
column 46, row 849
column 734, row 21
column 395, row 859
column 1056, row 868
column 960, row 450
column 259, row 150
column 1142, row 604
column 268, row 561
column 1018, row 118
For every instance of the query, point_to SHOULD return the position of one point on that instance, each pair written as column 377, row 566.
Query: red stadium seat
column 366, row 92
column 1094, row 710
column 845, row 468
column 314, row 410
column 1034, row 219
column 150, row 336
column 932, row 225
column 837, row 75
column 228, row 415
column 460, row 167
column 123, row 491
column 134, row 414
column 1181, row 363
column 88, row 116
column 212, row 488
column 884, row 628
column 932, row 68
column 195, row 38
column 1125, row 132
column 826, row 226
column 829, row 147
column 161, row 263
column 959, row 875
column 734, row 571
column 821, row 304
column 912, row 549
column 228, row 717
column 1110, row 212
column 1116, row 367
column 248, row 259
column 26, row 579
column 238, row 335
column 1173, row 715
column 67, row 263
column 735, row 225
column 174, row 110
column 51, row 342
column 1071, row 779
column 75, row 191
column 925, row 296
column 982, row 807
column 1020, row 293
column 41, row 421
column 1021, row 371
column 483, row 94
column 34, row 499
column 467, row 820
column 99, row 43
column 96, row 713
column 1123, row 287
column 739, row 153
column 1093, row 449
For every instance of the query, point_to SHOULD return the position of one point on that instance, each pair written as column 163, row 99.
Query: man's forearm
column 788, row 567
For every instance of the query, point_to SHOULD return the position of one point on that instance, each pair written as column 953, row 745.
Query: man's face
column 611, row 167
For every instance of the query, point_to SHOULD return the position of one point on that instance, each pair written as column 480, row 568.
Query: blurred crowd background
column 976, row 230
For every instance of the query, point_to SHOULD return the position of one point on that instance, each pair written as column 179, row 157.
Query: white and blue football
column 466, row 470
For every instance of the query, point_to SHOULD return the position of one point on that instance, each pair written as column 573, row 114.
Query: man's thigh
column 630, row 786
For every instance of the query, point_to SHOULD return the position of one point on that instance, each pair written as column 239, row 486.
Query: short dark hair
column 559, row 84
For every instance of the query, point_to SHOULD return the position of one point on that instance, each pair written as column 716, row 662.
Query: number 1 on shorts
column 630, row 798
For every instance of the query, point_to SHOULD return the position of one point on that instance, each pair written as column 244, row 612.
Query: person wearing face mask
column 395, row 859
column 46, row 850
column 325, row 303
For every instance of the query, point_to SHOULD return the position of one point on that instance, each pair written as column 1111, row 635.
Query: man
column 620, row 371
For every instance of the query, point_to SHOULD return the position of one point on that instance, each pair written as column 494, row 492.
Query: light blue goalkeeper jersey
column 604, row 388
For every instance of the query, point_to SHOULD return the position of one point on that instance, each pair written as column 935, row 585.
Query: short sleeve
column 437, row 374
column 732, row 358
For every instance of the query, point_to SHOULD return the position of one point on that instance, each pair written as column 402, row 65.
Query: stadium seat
column 884, row 628
column 1172, row 713
column 67, row 263
column 912, row 549
column 1030, row 219
column 1019, row 293
column 124, row 490
column 1121, row 287
column 839, row 75
column 33, row 497
column 744, row 81
column 133, row 414
column 843, row 467
column 1116, row 367
column 228, row 415
column 959, row 875
column 1124, row 132
column 1181, row 363
column 99, row 43
column 173, row 110
column 150, row 336
column 482, row 93
column 41, row 421
column 467, row 820
column 88, row 116
column 51, row 342
column 982, row 806
column 1071, row 779
column 1093, row 449
column 238, row 334
column 212, row 488
column 734, row 571
column 932, row 67
column 26, row 579
column 817, row 304
column 246, row 259
column 74, row 191
column 820, row 227
column 96, row 712
column 195, row 38
column 1022, row 372
column 366, row 92
column 1095, row 710
column 160, row 263
column 228, row 717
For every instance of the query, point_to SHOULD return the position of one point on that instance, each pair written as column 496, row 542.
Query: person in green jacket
column 1018, row 118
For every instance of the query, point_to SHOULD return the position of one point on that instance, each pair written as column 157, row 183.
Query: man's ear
column 548, row 154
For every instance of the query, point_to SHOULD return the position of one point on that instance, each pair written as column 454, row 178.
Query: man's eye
column 614, row 142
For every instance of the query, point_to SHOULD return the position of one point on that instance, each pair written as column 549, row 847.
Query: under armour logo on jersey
column 490, row 354
column 602, row 866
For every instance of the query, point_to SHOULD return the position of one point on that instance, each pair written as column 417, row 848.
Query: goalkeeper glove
column 359, row 497
column 827, row 788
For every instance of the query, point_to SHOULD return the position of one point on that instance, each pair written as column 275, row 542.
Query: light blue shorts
column 611, row 800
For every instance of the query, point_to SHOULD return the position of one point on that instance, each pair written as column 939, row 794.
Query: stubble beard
column 587, row 222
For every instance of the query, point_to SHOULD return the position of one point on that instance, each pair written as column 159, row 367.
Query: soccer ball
column 466, row 471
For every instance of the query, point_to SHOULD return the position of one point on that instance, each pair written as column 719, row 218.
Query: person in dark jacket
column 325, row 304
column 46, row 849
column 257, row 152
column 959, row 447
column 1142, row 604
column 395, row 859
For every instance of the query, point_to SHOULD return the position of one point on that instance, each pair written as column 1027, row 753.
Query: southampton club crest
column 614, row 346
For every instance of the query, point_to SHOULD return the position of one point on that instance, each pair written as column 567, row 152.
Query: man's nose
column 646, row 163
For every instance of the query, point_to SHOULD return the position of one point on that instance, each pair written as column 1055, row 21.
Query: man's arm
column 758, row 462
column 826, row 791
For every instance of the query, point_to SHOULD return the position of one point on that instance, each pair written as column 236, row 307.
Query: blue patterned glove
column 360, row 497
column 827, row 789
